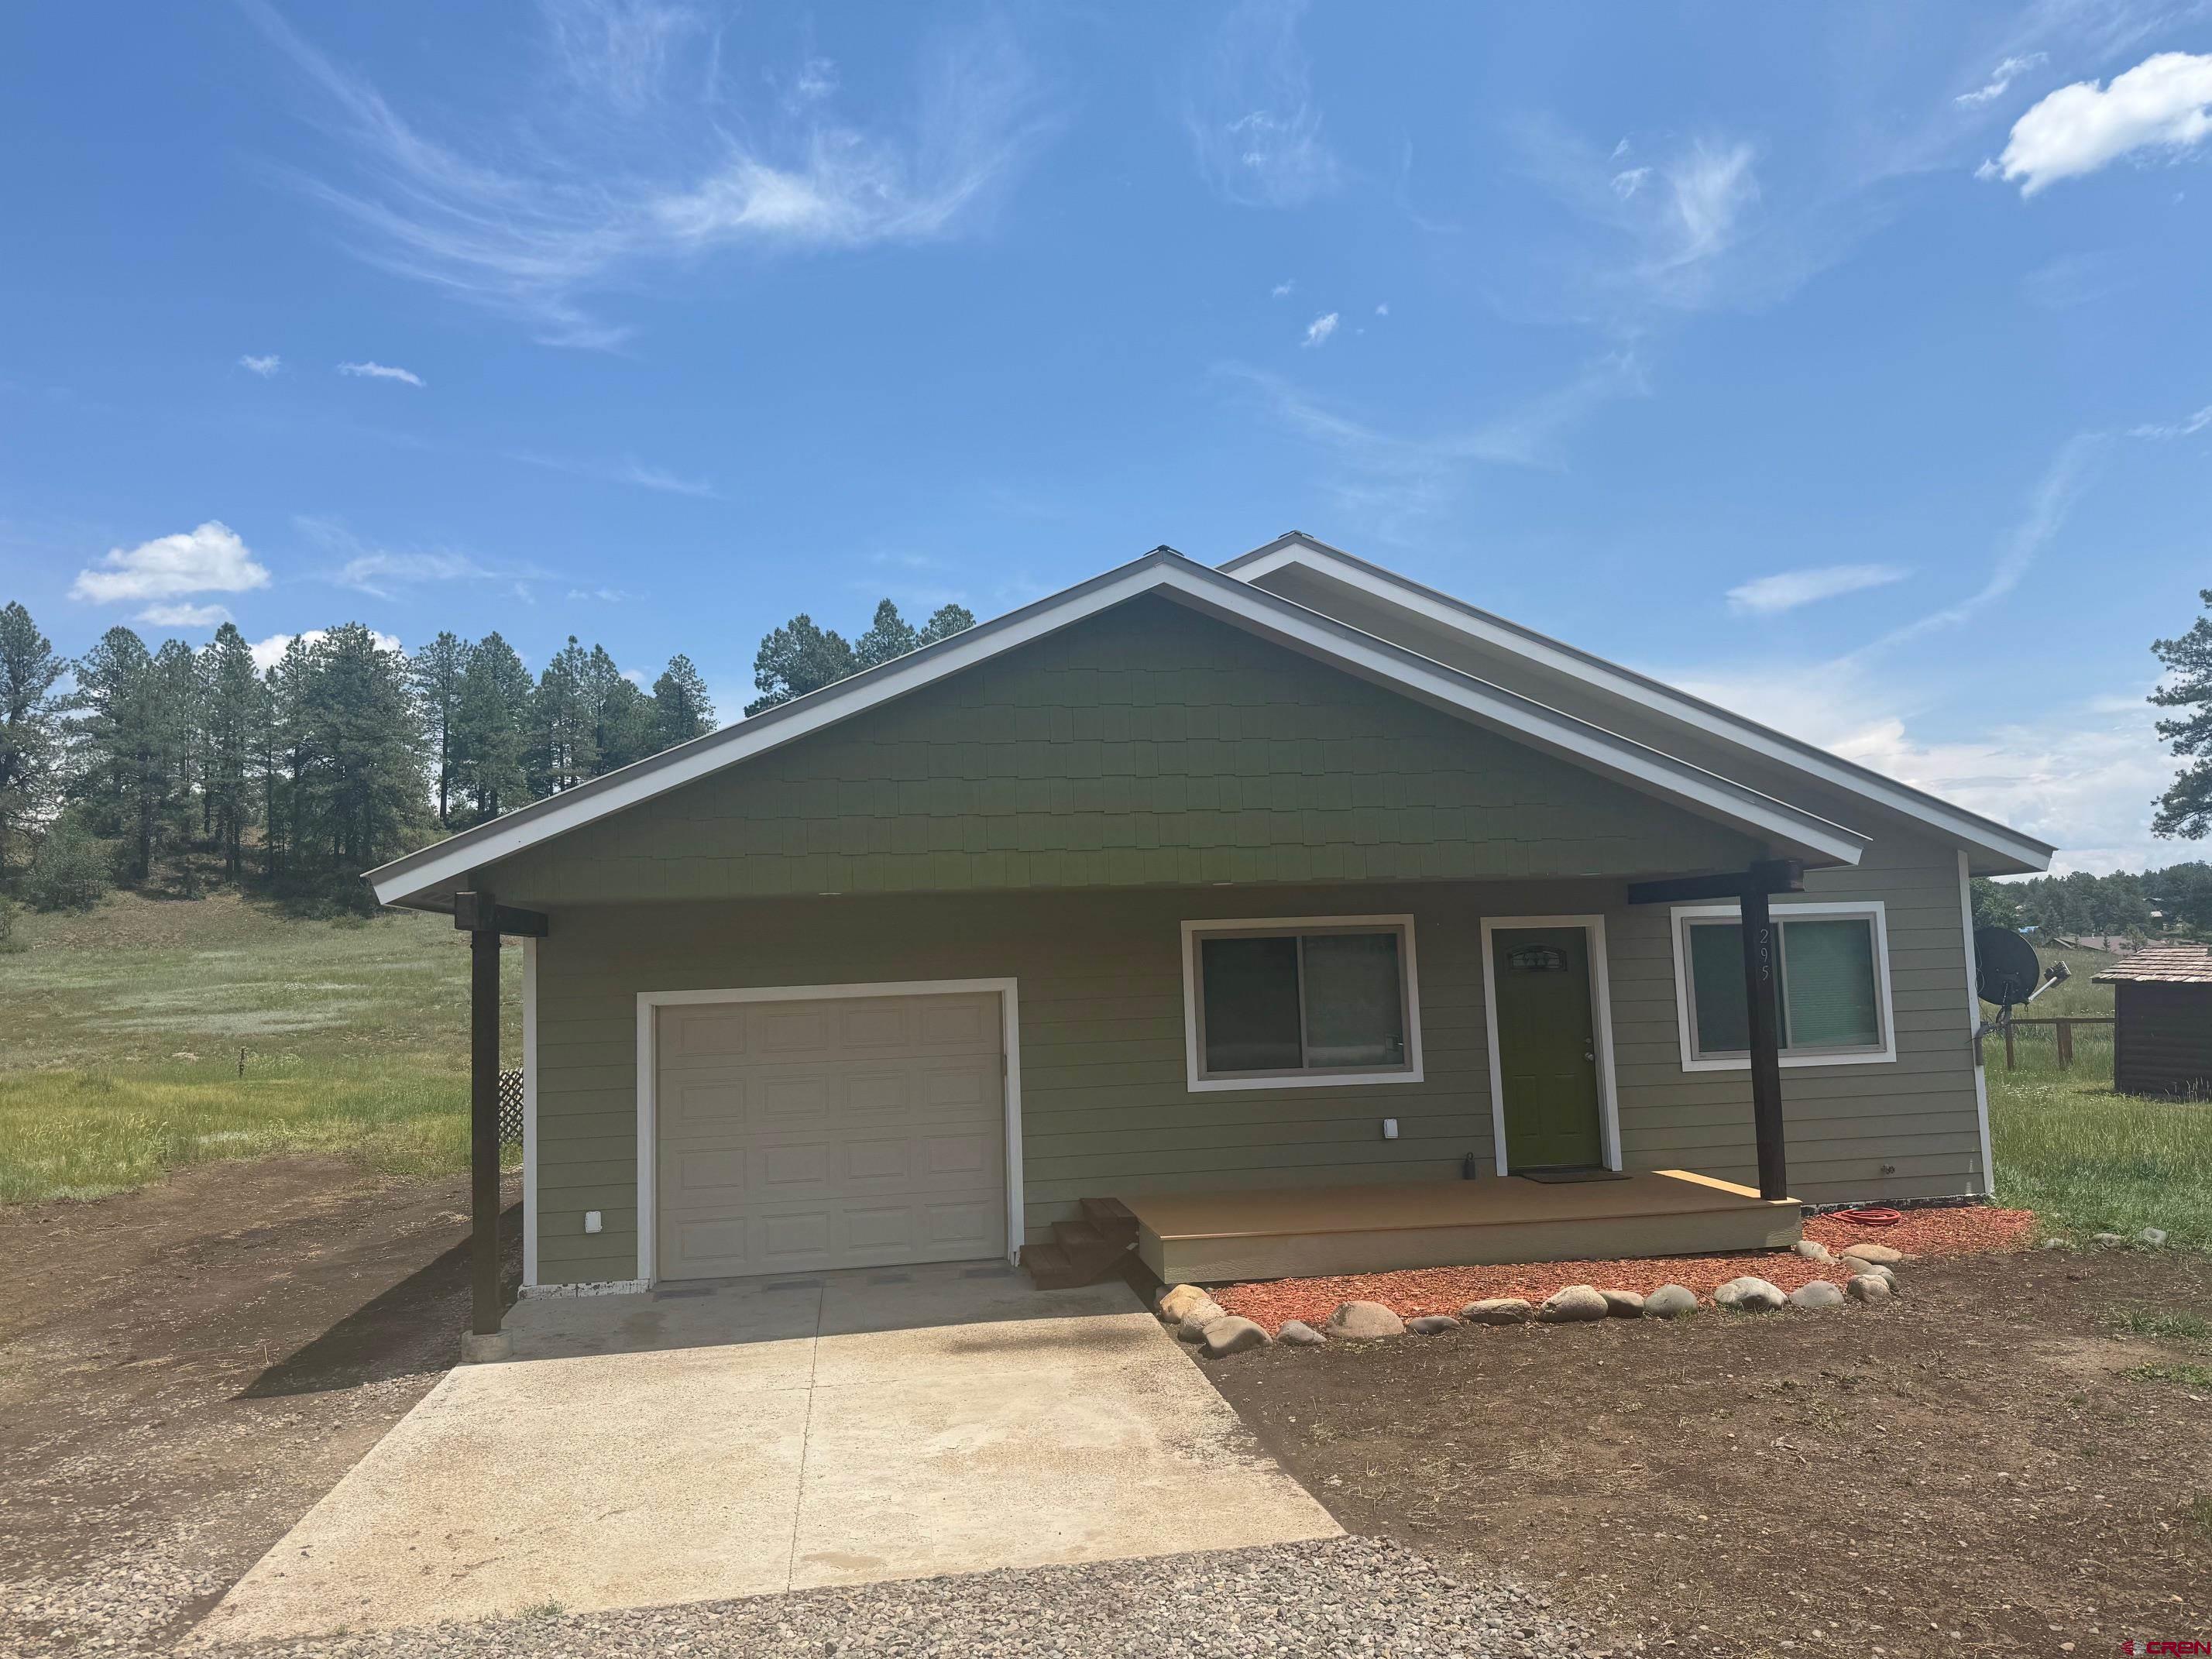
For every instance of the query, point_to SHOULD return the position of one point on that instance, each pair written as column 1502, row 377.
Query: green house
column 1286, row 917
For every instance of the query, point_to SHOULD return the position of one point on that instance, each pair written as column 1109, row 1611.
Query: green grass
column 2188, row 1376
column 119, row 1060
column 2088, row 1160
column 2168, row 1324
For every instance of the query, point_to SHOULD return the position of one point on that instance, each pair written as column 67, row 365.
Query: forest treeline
column 167, row 767
column 2125, row 904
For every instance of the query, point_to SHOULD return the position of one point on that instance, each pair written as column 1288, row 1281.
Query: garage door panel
column 802, row 1136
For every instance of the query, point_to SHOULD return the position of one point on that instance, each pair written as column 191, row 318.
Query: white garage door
column 852, row 1132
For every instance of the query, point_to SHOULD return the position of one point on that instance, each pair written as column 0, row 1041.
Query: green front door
column 1546, row 1048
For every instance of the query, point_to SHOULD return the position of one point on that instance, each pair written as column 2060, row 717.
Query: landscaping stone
column 1670, row 1302
column 1749, row 1295
column 2054, row 1244
column 1432, row 1324
column 2106, row 1239
column 1875, row 1270
column 1497, row 1310
column 1813, row 1250
column 1870, row 1289
column 2153, row 1236
column 1623, row 1304
column 1572, row 1305
column 1820, row 1293
column 1233, row 1335
column 1299, row 1334
column 1192, row 1328
column 1360, row 1320
column 1179, row 1300
column 1877, row 1253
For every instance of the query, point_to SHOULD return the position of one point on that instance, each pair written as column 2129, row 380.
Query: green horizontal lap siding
column 1149, row 746
column 1105, row 1104
column 1843, row 1123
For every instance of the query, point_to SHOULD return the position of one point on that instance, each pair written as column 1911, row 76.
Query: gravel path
column 1338, row 1595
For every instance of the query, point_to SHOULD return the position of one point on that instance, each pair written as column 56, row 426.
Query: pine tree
column 118, row 725
column 946, row 621
column 681, row 708
column 491, row 732
column 622, row 719
column 562, row 718
column 796, row 658
column 367, row 786
column 436, row 671
column 234, row 722
column 890, row 635
column 30, row 728
column 2185, row 809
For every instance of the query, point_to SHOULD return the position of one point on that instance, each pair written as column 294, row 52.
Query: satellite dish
column 2006, row 971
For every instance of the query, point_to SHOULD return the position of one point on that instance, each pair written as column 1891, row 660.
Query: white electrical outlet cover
column 591, row 1221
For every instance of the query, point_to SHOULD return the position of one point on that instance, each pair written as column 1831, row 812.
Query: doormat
column 1570, row 1177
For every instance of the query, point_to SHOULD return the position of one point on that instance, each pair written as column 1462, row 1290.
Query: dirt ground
column 1973, row 1470
column 184, row 1370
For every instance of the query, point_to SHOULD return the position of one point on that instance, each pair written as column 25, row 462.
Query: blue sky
column 1848, row 364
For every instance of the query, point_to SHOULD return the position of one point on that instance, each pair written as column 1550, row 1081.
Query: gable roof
column 421, row 877
column 2004, row 850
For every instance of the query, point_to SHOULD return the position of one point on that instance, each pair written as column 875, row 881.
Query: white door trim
column 649, row 1003
column 1608, row 1097
column 529, row 1113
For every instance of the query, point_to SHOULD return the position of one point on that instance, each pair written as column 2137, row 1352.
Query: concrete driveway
column 742, row 1437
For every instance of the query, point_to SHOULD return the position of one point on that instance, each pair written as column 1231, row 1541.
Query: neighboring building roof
column 2009, row 850
column 2162, row 964
column 424, row 877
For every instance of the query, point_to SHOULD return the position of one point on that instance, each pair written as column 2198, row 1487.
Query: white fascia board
column 1268, row 614
column 1978, row 833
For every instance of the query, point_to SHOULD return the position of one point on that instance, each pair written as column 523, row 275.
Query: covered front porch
column 1213, row 1238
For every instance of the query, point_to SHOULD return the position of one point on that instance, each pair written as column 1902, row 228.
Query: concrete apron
column 740, row 1438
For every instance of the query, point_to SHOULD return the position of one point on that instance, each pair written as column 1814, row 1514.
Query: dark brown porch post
column 1758, row 954
column 484, row 1127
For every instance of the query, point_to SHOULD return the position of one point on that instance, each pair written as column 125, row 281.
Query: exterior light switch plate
column 1390, row 1128
column 591, row 1221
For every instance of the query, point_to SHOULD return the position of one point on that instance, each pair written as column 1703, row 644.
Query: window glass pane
column 1721, row 1017
column 1251, row 991
column 1829, row 984
column 1354, row 1010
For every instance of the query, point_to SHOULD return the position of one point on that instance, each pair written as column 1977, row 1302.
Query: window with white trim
column 1308, row 999
column 1833, row 990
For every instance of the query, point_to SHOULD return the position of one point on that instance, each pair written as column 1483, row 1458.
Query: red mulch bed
column 1447, row 1290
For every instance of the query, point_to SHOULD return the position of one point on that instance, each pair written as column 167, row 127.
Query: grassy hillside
column 120, row 1054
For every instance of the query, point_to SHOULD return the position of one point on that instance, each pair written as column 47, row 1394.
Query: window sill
column 1301, row 1080
column 1794, row 1062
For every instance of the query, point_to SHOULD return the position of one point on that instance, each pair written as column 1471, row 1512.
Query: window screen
column 1289, row 1003
column 1827, row 997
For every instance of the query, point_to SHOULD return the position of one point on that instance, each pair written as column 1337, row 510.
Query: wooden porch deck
column 1301, row 1232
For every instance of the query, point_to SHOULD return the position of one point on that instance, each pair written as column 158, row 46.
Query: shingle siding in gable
column 1150, row 746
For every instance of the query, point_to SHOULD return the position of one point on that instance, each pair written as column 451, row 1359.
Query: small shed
column 2162, row 1032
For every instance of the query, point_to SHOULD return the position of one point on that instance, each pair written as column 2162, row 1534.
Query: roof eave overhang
column 1992, row 848
column 420, row 879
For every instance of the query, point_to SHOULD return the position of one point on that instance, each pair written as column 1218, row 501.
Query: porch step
column 1087, row 1251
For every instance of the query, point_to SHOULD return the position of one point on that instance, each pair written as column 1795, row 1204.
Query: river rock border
column 1196, row 1318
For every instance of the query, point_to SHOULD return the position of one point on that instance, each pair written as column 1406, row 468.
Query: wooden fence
column 2065, row 1030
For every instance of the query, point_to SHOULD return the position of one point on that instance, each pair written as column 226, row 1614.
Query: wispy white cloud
column 1248, row 107
column 384, row 572
column 598, row 595
column 264, row 367
column 185, row 616
column 2164, row 104
column 1629, row 180
column 627, row 471
column 1789, row 589
column 380, row 372
column 210, row 559
column 2001, row 80
column 1382, row 310
column 1319, row 329
column 268, row 653
column 1284, row 290
column 2188, row 426
column 2048, row 504
column 643, row 161
column 1392, row 483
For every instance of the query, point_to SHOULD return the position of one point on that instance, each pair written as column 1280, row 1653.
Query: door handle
column 1589, row 1053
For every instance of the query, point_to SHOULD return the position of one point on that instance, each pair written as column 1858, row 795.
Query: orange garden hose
column 1874, row 1217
